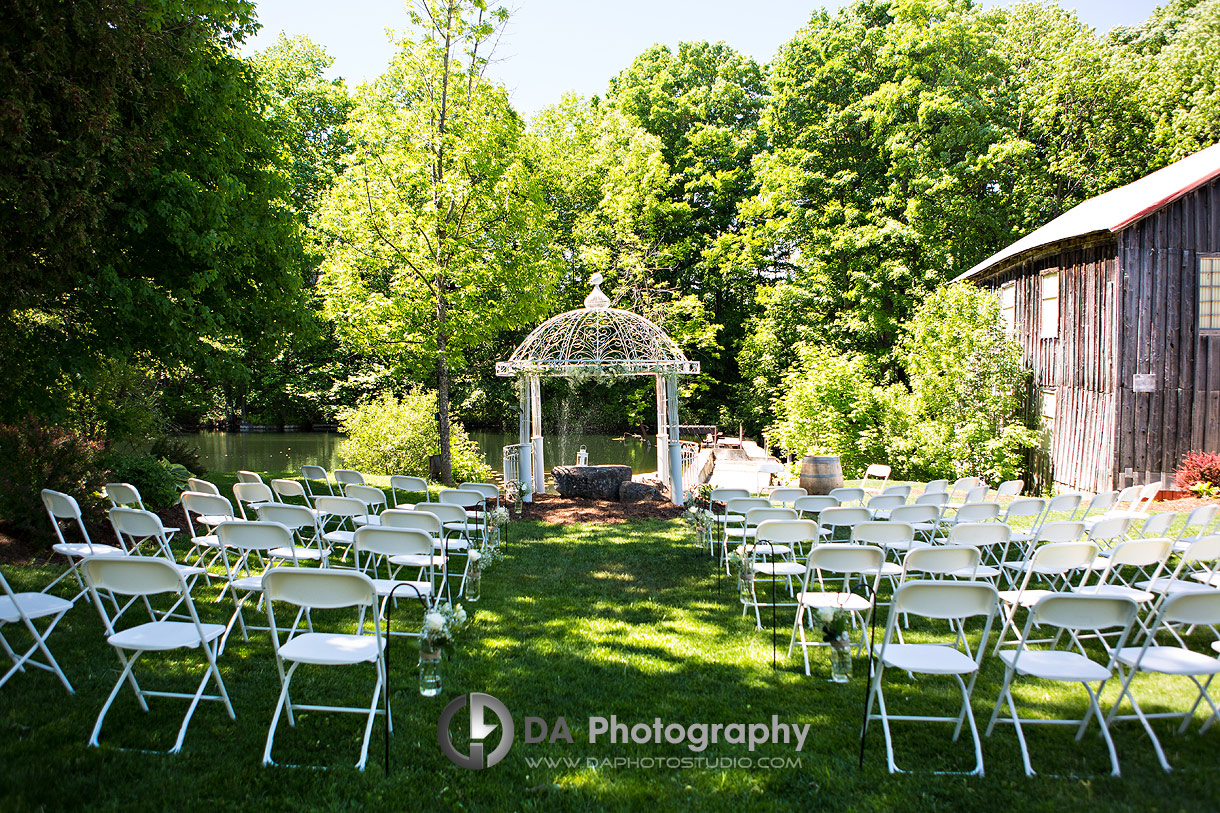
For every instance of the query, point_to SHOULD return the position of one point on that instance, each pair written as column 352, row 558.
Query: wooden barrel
column 821, row 473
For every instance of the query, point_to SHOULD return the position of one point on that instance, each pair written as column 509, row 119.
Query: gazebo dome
column 597, row 338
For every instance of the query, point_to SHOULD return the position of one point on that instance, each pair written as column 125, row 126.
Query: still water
column 288, row 451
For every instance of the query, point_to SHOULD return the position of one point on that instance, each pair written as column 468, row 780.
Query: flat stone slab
column 591, row 482
column 638, row 492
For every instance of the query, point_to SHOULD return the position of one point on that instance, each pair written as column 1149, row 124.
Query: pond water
column 288, row 451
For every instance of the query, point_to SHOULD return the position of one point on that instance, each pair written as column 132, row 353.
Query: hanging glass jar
column 840, row 659
column 474, row 583
column 430, row 682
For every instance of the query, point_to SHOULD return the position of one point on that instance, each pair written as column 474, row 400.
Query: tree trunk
column 442, row 387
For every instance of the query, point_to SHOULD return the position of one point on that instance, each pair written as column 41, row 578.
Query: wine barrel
column 821, row 473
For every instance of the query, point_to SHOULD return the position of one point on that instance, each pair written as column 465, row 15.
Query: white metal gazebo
column 598, row 340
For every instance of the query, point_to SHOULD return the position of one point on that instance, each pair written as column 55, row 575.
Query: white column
column 662, row 432
column 525, row 466
column 675, row 446
column 536, row 437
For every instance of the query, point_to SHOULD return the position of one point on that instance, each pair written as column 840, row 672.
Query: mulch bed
column 556, row 510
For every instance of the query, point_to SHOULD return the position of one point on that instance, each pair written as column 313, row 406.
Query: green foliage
column 966, row 379
column 829, row 407
column 180, row 452
column 389, row 435
column 159, row 481
column 34, row 456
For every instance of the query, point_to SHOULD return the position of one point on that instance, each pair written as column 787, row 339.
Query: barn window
column 1050, row 305
column 1209, row 293
column 1008, row 307
column 1048, row 405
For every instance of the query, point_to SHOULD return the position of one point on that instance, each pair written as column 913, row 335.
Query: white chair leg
column 275, row 719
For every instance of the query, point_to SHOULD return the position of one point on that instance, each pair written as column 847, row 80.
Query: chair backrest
column 915, row 513
column 847, row 558
column 1206, row 549
column 328, row 589
column 1010, row 488
column 1062, row 557
column 123, row 495
column 1082, row 612
column 419, row 520
column 844, row 516
column 250, row 493
column 725, row 494
column 330, row 506
column 132, row 575
column 490, row 491
column 786, row 496
column 369, row 495
column 1146, row 496
column 946, row 600
column 382, row 541
column 445, row 512
column 740, row 505
column 901, row 489
column 462, row 497
column 293, row 517
column 1197, row 520
column 787, row 531
column 1157, row 525
column 756, row 516
column 205, row 504
column 1100, row 503
column 409, row 484
column 885, row 502
column 979, row 534
column 1025, row 507
column 202, row 486
column 977, row 512
column 253, row 536
column 348, row 477
column 976, row 494
column 886, row 534
column 136, row 522
column 1195, row 609
column 938, row 498
column 312, row 473
column 815, row 504
column 244, row 476
column 1139, row 553
column 287, row 489
column 943, row 560
column 876, row 471
column 1061, row 531
column 847, row 495
column 1107, row 531
column 936, row 487
column 60, row 505
column 1064, row 503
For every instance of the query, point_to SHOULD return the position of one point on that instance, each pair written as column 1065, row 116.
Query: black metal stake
column 868, row 686
column 773, row 624
column 386, row 659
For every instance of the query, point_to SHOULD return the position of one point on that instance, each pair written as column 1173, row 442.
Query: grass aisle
column 579, row 622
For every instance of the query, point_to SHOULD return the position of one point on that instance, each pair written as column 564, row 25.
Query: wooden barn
column 1116, row 305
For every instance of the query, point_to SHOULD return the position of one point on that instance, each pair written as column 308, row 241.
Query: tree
column 435, row 235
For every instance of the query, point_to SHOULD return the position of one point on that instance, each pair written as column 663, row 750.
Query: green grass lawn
column 597, row 620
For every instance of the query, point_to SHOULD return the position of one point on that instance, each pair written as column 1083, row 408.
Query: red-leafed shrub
column 34, row 456
column 1198, row 467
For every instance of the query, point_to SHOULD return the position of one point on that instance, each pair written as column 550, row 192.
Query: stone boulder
column 591, row 482
column 638, row 492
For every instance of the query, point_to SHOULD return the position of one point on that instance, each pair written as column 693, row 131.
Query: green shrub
column 159, row 481
column 830, row 406
column 182, row 452
column 34, row 456
column 392, row 436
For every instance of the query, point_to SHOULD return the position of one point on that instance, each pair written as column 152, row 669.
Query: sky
column 552, row 46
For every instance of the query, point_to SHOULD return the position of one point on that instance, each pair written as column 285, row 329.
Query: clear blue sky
column 551, row 46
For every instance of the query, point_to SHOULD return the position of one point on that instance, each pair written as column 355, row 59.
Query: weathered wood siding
column 1078, row 364
column 1159, row 257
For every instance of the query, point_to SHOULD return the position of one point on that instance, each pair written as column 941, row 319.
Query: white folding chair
column 453, row 542
column 1054, row 563
column 134, row 527
column 409, row 485
column 315, row 474
column 348, row 477
column 990, row 539
column 396, row 548
column 286, row 490
column 786, row 496
column 875, row 471
column 881, row 505
column 123, row 495
column 770, row 558
column 1066, row 503
column 1175, row 659
column 244, row 476
column 1096, row 507
column 302, row 522
column 26, row 608
column 722, row 496
column 923, row 518
column 373, row 499
column 839, row 560
column 1197, row 571
column 1197, row 522
column 61, row 506
column 899, row 489
column 955, row 602
column 142, row 577
column 1156, row 526
column 1010, row 488
column 323, row 589
column 429, row 524
column 937, row 487
column 832, row 519
column 253, row 495
column 207, row 511
column 246, row 551
column 202, row 486
column 848, row 495
column 1025, row 516
column 1069, row 662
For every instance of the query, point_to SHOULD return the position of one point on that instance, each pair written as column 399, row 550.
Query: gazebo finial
column 596, row 300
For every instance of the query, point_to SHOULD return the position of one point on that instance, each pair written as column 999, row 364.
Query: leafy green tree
column 435, row 235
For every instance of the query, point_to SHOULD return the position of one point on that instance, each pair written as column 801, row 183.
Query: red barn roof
column 1118, row 208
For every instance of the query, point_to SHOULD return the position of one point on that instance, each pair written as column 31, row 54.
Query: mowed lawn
column 627, row 620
